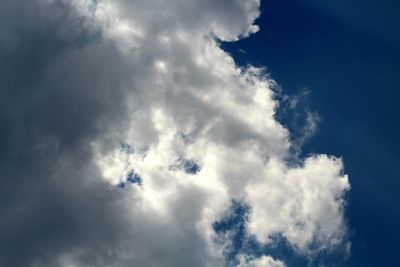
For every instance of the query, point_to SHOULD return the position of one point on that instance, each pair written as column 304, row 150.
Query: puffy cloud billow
column 128, row 137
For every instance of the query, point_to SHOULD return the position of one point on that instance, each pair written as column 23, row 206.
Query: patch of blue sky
column 187, row 165
column 133, row 178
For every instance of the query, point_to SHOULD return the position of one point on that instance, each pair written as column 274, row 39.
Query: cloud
column 126, row 132
column 263, row 261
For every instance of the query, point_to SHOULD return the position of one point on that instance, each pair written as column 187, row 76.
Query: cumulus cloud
column 263, row 261
column 126, row 132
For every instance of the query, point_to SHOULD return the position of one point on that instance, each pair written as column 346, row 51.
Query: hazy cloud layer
column 126, row 132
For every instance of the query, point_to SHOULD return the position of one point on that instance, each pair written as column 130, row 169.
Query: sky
column 345, row 54
column 209, row 133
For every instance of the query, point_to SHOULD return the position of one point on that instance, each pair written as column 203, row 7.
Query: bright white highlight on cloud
column 198, row 130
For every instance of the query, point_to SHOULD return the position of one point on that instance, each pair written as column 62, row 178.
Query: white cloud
column 305, row 202
column 153, row 88
column 263, row 261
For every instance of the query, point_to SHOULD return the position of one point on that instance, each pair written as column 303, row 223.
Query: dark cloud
column 48, row 116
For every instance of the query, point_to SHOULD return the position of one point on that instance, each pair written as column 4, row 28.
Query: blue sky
column 347, row 55
column 193, row 133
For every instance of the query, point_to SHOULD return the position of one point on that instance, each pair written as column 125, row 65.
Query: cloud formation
column 126, row 132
